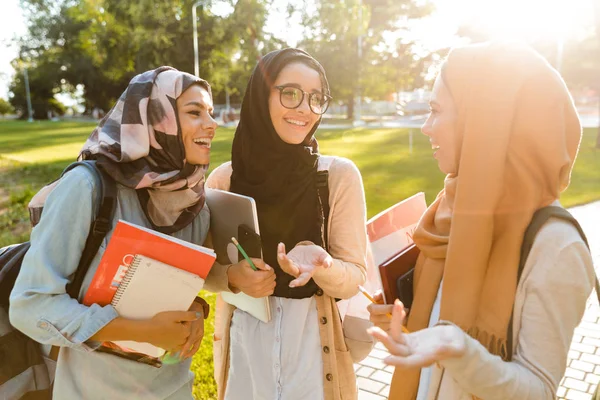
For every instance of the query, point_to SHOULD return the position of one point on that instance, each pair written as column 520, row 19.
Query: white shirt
column 280, row 359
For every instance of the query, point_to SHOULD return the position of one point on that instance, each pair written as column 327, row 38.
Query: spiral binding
column 125, row 282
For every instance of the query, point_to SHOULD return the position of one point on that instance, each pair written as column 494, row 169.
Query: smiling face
column 294, row 125
column 194, row 108
column 440, row 126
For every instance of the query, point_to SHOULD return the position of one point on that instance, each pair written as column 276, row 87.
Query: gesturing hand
column 421, row 348
column 302, row 261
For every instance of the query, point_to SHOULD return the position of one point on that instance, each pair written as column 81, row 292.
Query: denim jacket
column 40, row 307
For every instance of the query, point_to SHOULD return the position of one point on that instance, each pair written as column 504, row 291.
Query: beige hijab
column 518, row 138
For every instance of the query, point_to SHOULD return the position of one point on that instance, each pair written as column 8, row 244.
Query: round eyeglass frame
column 310, row 95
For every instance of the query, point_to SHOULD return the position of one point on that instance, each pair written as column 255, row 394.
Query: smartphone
column 250, row 242
column 404, row 285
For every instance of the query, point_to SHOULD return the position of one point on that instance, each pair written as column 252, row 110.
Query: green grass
column 34, row 154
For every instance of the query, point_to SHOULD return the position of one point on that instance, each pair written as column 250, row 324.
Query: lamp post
column 28, row 94
column 195, row 25
column 357, row 103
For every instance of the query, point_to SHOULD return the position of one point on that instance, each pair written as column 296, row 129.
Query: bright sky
column 516, row 19
column 11, row 24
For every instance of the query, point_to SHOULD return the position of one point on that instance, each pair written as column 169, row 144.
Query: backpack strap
column 540, row 217
column 99, row 227
column 323, row 193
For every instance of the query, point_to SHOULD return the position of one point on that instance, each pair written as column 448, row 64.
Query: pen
column 244, row 253
column 368, row 296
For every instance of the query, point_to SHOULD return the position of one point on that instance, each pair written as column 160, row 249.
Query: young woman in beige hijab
column 506, row 133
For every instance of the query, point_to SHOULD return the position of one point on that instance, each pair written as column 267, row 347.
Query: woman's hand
column 303, row 261
column 196, row 327
column 379, row 312
column 259, row 283
column 170, row 330
column 422, row 348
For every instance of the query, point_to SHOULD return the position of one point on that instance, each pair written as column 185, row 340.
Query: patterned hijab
column 518, row 136
column 139, row 144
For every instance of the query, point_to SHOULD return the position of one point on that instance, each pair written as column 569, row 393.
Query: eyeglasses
column 291, row 97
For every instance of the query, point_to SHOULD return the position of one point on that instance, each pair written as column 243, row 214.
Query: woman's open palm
column 302, row 261
column 421, row 348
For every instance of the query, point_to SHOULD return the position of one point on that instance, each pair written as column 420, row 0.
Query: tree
column 383, row 67
column 102, row 44
column 5, row 107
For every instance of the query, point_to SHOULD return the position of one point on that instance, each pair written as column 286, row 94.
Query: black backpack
column 23, row 372
column 539, row 219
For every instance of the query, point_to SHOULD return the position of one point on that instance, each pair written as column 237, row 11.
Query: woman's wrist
column 453, row 339
column 124, row 329
column 230, row 272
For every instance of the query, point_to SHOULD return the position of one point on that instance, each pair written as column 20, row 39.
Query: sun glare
column 528, row 20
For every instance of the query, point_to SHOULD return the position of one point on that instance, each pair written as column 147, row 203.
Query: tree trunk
column 350, row 114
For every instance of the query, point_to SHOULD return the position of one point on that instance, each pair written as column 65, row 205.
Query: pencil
column 368, row 296
column 239, row 246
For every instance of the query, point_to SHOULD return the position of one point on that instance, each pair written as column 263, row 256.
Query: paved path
column 583, row 367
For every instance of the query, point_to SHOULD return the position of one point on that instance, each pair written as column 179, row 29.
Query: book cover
column 390, row 232
column 128, row 240
column 396, row 267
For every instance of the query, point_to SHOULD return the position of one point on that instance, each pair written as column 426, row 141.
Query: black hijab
column 281, row 177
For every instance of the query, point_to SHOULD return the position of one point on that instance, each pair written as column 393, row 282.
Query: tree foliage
column 5, row 107
column 102, row 44
column 386, row 63
column 99, row 45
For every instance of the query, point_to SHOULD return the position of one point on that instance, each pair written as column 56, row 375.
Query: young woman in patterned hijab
column 506, row 133
column 155, row 143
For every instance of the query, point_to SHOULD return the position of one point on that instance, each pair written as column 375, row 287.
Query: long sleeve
column 217, row 280
column 555, row 295
column 39, row 304
column 347, row 232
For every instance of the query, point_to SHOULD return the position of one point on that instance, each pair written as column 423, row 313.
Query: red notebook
column 128, row 240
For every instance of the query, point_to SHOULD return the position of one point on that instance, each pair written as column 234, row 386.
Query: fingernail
column 292, row 285
column 198, row 314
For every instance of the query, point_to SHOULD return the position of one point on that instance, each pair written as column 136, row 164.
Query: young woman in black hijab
column 300, row 353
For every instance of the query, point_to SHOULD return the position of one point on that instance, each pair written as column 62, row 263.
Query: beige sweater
column 550, row 301
column 348, row 244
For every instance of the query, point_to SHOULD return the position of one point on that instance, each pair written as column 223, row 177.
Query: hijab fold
column 518, row 137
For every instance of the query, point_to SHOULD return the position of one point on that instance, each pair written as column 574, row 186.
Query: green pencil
column 244, row 253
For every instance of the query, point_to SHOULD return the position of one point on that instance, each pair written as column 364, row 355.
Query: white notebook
column 227, row 211
column 150, row 287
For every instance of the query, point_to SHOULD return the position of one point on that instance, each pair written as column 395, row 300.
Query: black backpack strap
column 99, row 227
column 540, row 217
column 323, row 193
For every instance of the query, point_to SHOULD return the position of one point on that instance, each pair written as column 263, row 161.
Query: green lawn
column 34, row 154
